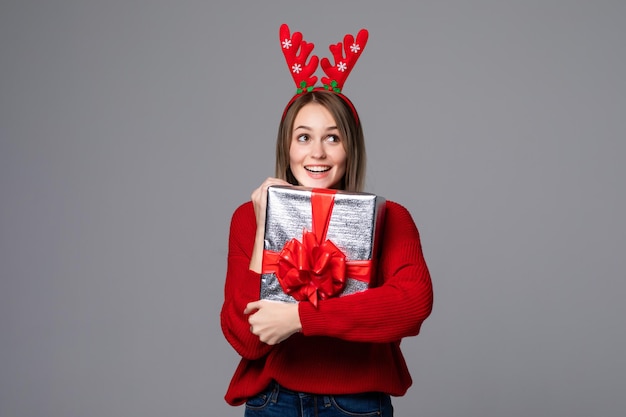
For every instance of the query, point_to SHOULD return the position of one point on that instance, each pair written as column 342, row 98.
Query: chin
column 306, row 181
column 333, row 186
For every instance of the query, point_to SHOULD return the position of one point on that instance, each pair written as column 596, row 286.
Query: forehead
column 314, row 115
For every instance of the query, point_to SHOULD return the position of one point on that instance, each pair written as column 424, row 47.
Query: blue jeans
column 277, row 401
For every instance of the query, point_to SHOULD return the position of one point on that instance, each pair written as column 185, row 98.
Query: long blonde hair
column 348, row 125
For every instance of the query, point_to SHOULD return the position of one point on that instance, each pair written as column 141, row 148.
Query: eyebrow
column 309, row 128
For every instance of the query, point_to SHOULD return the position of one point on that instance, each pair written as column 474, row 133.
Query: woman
column 343, row 357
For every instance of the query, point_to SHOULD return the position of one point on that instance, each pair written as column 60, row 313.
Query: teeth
column 317, row 169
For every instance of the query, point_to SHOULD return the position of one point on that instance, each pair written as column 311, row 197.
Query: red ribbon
column 314, row 269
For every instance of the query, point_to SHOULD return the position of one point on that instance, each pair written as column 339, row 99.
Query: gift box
column 319, row 243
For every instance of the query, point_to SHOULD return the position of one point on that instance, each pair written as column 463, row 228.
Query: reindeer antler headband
column 296, row 51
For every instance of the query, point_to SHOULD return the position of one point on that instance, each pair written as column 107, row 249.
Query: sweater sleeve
column 394, row 309
column 242, row 286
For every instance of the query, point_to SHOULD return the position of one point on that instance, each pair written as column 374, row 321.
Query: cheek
column 342, row 158
column 290, row 151
column 297, row 152
column 293, row 155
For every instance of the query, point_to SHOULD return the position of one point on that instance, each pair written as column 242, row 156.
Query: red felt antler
column 301, row 72
column 338, row 73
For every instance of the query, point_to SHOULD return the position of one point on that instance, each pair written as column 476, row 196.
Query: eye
column 302, row 138
column 333, row 138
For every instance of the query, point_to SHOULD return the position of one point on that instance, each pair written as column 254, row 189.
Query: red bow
column 310, row 271
column 314, row 269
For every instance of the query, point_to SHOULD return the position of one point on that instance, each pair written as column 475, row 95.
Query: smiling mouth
column 317, row 169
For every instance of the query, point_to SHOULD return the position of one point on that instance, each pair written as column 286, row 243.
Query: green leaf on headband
column 333, row 86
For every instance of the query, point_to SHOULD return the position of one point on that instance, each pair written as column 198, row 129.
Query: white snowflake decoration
column 342, row 66
column 287, row 43
column 296, row 68
column 355, row 48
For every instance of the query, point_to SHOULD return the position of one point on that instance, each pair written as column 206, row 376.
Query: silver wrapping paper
column 355, row 228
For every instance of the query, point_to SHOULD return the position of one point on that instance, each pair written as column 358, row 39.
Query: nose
column 317, row 150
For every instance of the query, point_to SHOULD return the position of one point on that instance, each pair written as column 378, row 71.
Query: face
column 317, row 157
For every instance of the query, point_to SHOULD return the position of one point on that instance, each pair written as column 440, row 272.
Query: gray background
column 130, row 131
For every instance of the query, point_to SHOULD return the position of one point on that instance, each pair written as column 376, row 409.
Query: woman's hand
column 259, row 201
column 273, row 321
column 259, row 198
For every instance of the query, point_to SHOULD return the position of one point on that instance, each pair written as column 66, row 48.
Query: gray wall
column 130, row 131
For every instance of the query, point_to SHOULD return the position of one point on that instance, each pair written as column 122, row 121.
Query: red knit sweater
column 349, row 344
